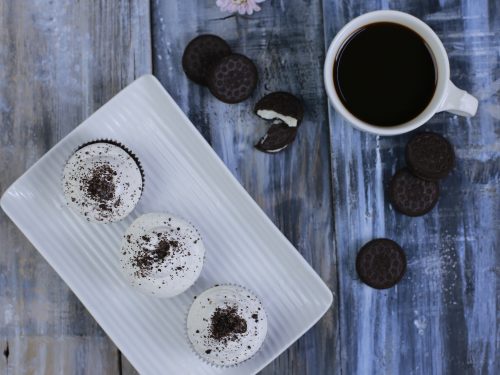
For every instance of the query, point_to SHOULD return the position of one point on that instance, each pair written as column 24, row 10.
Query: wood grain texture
column 285, row 40
column 59, row 62
column 443, row 317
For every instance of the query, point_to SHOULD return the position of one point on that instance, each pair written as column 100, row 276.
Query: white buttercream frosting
column 234, row 348
column 161, row 255
column 105, row 165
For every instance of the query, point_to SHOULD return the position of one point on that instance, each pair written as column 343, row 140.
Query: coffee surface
column 384, row 74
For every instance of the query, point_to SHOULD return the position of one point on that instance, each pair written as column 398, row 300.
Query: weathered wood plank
column 59, row 62
column 286, row 42
column 442, row 318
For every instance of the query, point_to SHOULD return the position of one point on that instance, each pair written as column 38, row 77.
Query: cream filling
column 276, row 149
column 271, row 115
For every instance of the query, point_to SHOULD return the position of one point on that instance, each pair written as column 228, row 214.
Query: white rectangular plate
column 184, row 176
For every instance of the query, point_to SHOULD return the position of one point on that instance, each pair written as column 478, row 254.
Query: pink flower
column 240, row 6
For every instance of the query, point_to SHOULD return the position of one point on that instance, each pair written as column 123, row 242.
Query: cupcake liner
column 114, row 143
column 204, row 360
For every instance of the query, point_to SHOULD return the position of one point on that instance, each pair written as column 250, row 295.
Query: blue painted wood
column 442, row 318
column 59, row 62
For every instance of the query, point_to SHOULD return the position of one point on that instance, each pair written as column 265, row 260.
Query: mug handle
column 459, row 102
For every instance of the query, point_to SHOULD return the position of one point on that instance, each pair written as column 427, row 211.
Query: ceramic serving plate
column 185, row 177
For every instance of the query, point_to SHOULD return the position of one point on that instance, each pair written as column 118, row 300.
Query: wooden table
column 60, row 61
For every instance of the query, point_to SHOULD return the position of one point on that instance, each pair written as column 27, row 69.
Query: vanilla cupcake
column 226, row 325
column 161, row 255
column 102, row 181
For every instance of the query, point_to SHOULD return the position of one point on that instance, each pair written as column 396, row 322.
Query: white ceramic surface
column 184, row 176
column 447, row 96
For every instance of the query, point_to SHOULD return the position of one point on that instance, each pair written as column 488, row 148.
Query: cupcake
column 102, row 181
column 226, row 325
column 161, row 255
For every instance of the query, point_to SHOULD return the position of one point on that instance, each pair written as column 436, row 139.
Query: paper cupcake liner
column 114, row 143
column 204, row 360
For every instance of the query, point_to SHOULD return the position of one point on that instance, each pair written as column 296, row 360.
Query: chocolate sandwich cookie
column 200, row 56
column 233, row 78
column 381, row 263
column 430, row 156
column 277, row 138
column 412, row 195
column 281, row 105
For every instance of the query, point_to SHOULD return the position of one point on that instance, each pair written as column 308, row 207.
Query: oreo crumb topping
column 146, row 260
column 228, row 321
column 159, row 257
column 226, row 324
column 100, row 185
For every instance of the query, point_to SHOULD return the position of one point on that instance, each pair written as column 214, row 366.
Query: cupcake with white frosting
column 161, row 255
column 226, row 325
column 103, row 181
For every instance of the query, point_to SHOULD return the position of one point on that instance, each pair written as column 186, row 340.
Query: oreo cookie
column 429, row 156
column 281, row 105
column 233, row 78
column 381, row 263
column 412, row 195
column 200, row 56
column 277, row 138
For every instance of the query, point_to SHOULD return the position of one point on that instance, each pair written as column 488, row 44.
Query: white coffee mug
column 447, row 97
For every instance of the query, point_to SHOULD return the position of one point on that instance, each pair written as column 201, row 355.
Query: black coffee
column 384, row 74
